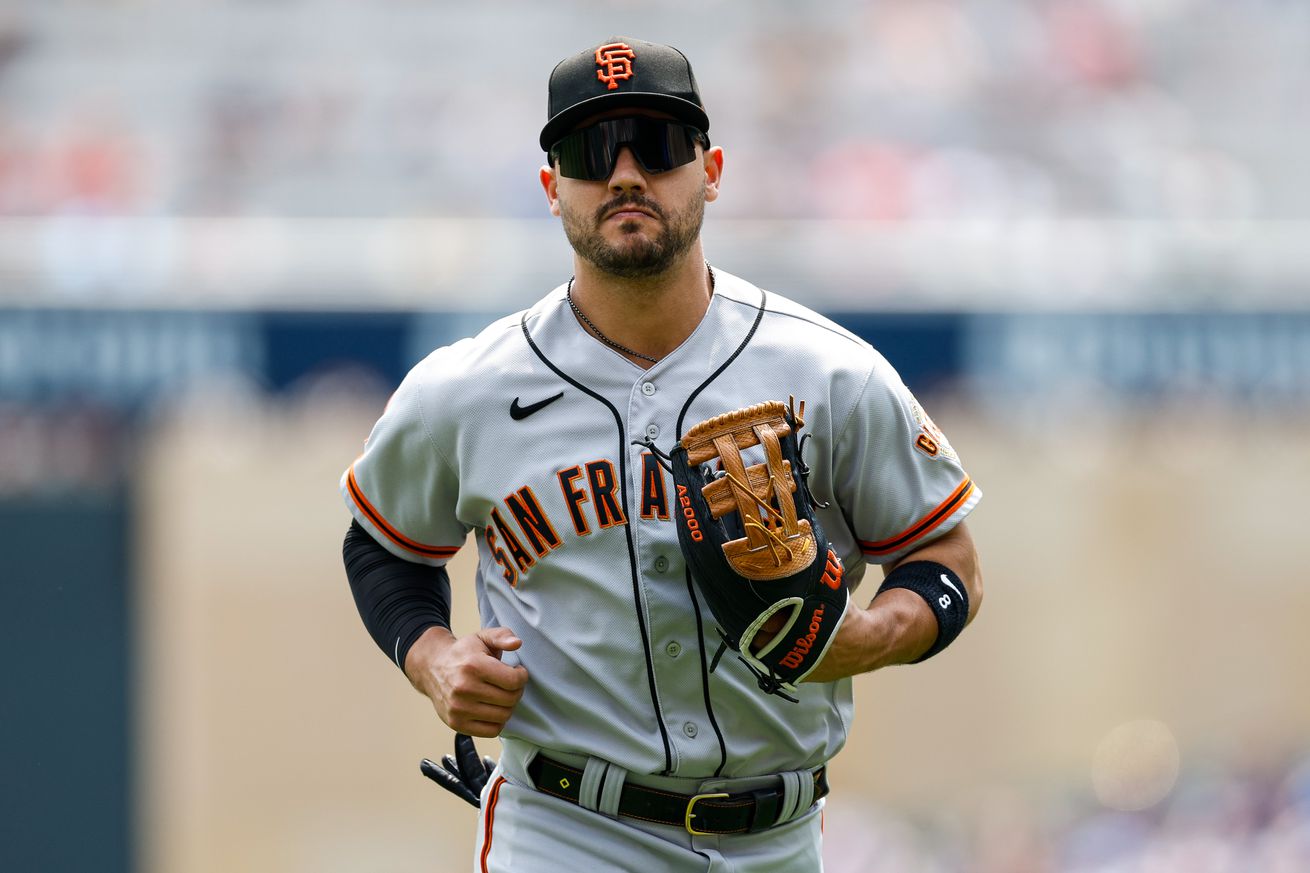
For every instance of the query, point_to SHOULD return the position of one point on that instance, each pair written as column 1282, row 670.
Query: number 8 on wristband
column 935, row 583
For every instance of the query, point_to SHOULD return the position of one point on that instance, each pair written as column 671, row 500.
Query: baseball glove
column 753, row 543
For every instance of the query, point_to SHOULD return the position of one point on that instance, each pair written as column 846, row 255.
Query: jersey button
column 673, row 649
column 661, row 564
column 648, row 388
column 689, row 729
column 652, row 431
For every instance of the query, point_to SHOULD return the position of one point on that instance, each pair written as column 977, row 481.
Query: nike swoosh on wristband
column 947, row 580
column 518, row 413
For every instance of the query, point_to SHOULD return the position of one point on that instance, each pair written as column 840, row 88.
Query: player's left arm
column 905, row 494
column 898, row 626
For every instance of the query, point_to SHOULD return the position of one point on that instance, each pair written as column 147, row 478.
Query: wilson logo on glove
column 753, row 542
column 796, row 657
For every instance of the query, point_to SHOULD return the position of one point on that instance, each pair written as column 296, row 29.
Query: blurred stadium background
column 1079, row 228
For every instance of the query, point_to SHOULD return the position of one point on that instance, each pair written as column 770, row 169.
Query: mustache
column 623, row 200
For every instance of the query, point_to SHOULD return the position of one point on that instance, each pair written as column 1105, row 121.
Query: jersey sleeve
column 896, row 476
column 403, row 489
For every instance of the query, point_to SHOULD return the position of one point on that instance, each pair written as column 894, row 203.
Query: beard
column 636, row 256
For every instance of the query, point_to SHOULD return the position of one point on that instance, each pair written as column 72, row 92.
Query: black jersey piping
column 627, row 532
column 691, row 589
column 705, row 677
column 759, row 316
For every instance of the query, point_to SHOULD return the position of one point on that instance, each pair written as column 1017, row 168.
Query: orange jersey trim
column 357, row 494
column 490, row 819
column 923, row 526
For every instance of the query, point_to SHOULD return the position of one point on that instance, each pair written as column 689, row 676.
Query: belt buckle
column 686, row 822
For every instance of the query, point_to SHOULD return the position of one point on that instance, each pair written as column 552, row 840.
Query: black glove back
column 465, row 774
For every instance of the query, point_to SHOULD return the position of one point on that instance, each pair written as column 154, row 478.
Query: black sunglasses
column 657, row 144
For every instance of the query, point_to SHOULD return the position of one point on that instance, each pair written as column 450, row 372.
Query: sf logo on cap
column 615, row 62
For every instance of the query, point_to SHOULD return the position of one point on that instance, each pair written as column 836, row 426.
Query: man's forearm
column 899, row 626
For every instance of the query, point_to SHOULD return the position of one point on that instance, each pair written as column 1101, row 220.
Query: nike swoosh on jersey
column 518, row 413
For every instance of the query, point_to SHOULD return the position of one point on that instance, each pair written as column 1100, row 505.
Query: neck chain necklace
column 606, row 340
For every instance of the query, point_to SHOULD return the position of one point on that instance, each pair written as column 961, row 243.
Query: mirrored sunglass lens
column 658, row 145
column 582, row 157
column 663, row 146
column 589, row 153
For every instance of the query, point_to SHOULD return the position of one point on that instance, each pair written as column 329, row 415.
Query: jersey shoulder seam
column 835, row 329
column 840, row 433
column 427, row 431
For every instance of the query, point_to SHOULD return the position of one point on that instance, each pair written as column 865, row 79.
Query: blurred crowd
column 1223, row 820
column 884, row 109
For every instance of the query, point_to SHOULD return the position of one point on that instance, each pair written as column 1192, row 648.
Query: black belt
column 742, row 813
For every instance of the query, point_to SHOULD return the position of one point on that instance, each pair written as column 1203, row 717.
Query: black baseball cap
column 619, row 72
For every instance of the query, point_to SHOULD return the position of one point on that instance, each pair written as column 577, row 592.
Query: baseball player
column 606, row 448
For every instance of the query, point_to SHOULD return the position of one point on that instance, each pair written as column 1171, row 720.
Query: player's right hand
column 471, row 688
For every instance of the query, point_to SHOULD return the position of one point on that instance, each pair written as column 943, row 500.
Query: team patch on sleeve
column 930, row 440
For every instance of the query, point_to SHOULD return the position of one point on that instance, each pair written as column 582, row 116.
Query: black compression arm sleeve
column 397, row 599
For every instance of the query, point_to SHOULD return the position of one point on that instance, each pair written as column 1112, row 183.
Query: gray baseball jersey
column 527, row 437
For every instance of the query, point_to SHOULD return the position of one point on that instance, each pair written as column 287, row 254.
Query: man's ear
column 713, row 172
column 550, row 185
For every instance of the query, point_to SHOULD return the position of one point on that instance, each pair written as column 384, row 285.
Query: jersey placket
column 675, row 642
